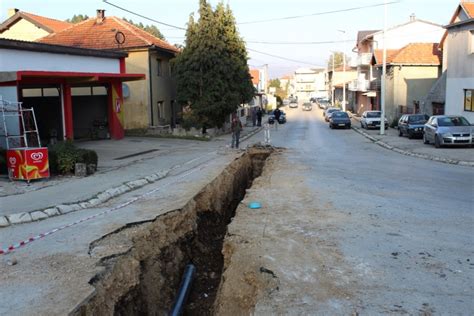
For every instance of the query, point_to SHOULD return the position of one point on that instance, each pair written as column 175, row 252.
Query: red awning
column 27, row 76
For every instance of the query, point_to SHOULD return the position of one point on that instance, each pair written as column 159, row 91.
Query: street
column 345, row 227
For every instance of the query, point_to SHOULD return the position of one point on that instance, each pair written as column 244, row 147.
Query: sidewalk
column 124, row 165
column 415, row 147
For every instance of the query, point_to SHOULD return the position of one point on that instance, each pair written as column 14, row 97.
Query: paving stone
column 19, row 218
column 94, row 202
column 113, row 192
column 84, row 205
column 52, row 212
column 103, row 197
column 4, row 221
column 64, row 209
column 137, row 183
column 36, row 216
column 123, row 188
column 152, row 178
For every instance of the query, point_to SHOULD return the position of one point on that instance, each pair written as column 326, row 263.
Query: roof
column 102, row 35
column 49, row 25
column 58, row 49
column 468, row 8
column 362, row 35
column 411, row 54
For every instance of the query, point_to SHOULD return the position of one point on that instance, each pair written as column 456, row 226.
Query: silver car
column 448, row 130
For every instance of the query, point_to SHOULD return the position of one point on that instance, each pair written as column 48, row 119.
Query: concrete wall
column 17, row 60
column 137, row 106
column 414, row 32
column 25, row 31
column 460, row 69
column 406, row 84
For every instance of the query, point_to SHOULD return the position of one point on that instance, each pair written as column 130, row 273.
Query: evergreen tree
column 77, row 18
column 211, row 71
column 152, row 29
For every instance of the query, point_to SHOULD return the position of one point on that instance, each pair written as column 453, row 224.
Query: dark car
column 339, row 119
column 448, row 130
column 412, row 125
column 271, row 118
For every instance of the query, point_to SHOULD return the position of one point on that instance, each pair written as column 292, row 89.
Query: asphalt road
column 407, row 233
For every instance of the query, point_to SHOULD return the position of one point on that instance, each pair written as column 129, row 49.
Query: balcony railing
column 359, row 85
column 363, row 59
column 375, row 84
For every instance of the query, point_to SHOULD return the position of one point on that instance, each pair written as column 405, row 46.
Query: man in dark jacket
column 277, row 114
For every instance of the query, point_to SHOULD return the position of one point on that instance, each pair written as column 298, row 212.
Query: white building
column 458, row 62
column 310, row 82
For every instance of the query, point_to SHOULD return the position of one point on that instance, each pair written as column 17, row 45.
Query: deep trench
column 145, row 279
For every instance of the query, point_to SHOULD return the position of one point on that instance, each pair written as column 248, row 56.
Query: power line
column 144, row 17
column 283, row 58
column 317, row 13
column 298, row 43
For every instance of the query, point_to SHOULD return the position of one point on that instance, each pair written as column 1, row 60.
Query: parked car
column 371, row 119
column 339, row 119
column 328, row 112
column 271, row 117
column 448, row 130
column 323, row 104
column 293, row 104
column 307, row 106
column 412, row 125
column 286, row 102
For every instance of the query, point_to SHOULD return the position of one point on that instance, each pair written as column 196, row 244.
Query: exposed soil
column 144, row 262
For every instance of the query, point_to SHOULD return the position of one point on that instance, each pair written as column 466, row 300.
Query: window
column 468, row 100
column 159, row 70
column 471, row 42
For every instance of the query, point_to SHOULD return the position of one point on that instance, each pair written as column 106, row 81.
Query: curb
column 102, row 197
column 412, row 154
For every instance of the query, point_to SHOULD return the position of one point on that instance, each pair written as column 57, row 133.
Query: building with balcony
column 310, row 82
column 367, row 82
column 335, row 85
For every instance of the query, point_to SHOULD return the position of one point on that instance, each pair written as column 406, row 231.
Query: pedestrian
column 235, row 127
column 277, row 114
column 254, row 116
column 266, row 133
column 259, row 116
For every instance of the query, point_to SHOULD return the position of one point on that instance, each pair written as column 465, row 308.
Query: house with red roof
column 147, row 103
column 29, row 27
column 458, row 62
column 411, row 72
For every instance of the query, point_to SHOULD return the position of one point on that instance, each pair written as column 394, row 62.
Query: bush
column 64, row 155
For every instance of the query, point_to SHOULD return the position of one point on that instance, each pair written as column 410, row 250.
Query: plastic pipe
column 184, row 290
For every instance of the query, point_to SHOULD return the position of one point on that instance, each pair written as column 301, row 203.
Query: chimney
column 100, row 16
column 412, row 17
column 12, row 12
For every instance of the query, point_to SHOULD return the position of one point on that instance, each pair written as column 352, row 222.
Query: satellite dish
column 119, row 38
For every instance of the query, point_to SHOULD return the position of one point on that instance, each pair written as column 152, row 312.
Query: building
column 335, row 81
column 29, row 27
column 458, row 62
column 411, row 72
column 310, row 82
column 76, row 93
column 364, row 86
column 150, row 102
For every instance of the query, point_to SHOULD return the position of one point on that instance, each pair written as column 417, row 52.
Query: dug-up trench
column 145, row 279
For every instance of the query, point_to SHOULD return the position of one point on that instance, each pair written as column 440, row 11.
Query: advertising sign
column 28, row 163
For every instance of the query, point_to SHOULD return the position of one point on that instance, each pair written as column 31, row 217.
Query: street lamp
column 343, row 71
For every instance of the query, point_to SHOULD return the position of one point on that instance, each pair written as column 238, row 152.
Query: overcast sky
column 314, row 28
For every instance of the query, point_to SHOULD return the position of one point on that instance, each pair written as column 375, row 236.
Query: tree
column 275, row 83
column 152, row 29
column 280, row 92
column 211, row 72
column 77, row 18
column 338, row 60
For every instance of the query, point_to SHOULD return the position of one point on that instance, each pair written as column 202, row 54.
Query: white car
column 293, row 104
column 371, row 119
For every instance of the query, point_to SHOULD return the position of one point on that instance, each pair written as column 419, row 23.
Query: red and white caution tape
column 9, row 249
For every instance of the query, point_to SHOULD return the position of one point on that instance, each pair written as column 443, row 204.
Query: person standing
column 259, row 116
column 235, row 127
column 254, row 116
column 277, row 114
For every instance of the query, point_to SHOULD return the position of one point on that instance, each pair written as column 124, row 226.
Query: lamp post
column 343, row 71
column 384, row 72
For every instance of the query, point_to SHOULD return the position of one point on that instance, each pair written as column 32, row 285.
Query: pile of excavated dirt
column 144, row 261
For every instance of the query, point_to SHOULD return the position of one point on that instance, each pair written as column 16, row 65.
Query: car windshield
column 332, row 110
column 453, row 121
column 417, row 118
column 340, row 114
column 307, row 104
column 373, row 114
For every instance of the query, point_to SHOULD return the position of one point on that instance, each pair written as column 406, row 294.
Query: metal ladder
column 28, row 135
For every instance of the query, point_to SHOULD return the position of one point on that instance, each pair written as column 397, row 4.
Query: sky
column 310, row 25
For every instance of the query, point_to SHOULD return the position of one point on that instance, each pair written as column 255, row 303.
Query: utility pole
column 384, row 72
column 332, row 78
column 343, row 71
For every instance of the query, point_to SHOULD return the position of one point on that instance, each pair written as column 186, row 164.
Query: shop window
column 99, row 91
column 31, row 93
column 468, row 100
column 50, row 92
column 81, row 91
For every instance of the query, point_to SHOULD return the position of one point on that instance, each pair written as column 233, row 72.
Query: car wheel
column 361, row 125
column 437, row 142
column 348, row 126
column 400, row 134
column 410, row 135
column 425, row 139
column 330, row 126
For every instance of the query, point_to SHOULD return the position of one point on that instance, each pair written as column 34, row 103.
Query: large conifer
column 211, row 72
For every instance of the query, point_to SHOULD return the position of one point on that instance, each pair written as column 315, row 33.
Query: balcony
column 363, row 59
column 361, row 85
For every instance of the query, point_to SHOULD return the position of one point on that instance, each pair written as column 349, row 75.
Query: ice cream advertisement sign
column 28, row 163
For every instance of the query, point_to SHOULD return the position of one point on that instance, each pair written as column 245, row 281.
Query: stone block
column 4, row 221
column 19, row 218
column 80, row 169
column 38, row 215
column 137, row 183
column 64, row 209
column 53, row 211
